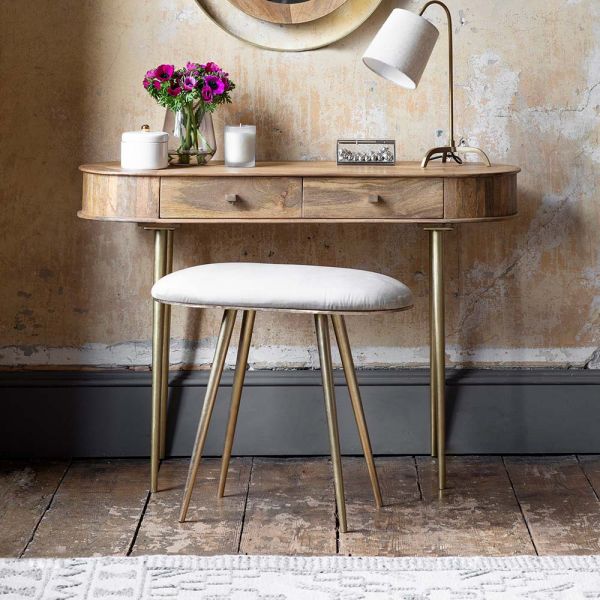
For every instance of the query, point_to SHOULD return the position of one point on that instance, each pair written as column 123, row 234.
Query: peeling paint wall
column 523, row 292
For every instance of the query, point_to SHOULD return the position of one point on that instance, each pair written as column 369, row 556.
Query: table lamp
column 400, row 52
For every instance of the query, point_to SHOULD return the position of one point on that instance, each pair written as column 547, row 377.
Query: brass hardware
column 374, row 198
column 341, row 334
column 446, row 152
column 463, row 149
column 145, row 127
column 236, row 393
column 207, row 408
column 438, row 343
column 451, row 150
column 232, row 198
column 156, row 226
column 158, row 332
column 166, row 345
column 324, row 344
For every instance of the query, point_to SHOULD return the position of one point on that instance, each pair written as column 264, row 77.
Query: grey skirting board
column 107, row 413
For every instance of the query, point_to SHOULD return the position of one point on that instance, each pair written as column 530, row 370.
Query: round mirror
column 289, row 37
column 287, row 11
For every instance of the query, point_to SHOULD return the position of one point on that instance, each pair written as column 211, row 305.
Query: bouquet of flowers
column 192, row 93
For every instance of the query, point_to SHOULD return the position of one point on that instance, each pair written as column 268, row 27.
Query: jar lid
column 144, row 135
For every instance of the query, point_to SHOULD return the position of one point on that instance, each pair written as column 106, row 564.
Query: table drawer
column 373, row 198
column 231, row 198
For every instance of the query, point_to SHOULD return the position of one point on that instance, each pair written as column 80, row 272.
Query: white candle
column 240, row 145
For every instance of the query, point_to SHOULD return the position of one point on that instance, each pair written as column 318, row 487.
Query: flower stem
column 185, row 147
column 194, row 146
column 200, row 114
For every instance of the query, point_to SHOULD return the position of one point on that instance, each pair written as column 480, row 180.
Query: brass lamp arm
column 450, row 151
column 452, row 142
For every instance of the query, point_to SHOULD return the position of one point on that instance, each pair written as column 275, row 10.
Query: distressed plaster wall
column 528, row 90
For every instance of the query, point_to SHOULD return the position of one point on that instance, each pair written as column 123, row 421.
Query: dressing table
column 301, row 192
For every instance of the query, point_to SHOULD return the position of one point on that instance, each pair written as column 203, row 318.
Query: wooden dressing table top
column 309, row 168
column 300, row 191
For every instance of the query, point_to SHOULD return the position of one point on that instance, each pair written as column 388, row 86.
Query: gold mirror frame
column 276, row 11
column 289, row 38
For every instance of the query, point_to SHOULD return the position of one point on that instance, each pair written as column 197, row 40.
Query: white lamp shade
column 402, row 47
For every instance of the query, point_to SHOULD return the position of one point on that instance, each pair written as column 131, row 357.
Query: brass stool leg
column 334, row 437
column 207, row 408
column 164, row 394
column 236, row 393
column 341, row 334
column 158, row 331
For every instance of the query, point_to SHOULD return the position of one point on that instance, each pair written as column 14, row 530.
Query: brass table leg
column 158, row 333
column 438, row 349
column 432, row 363
column 166, row 346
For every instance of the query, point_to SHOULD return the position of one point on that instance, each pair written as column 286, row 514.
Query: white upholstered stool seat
column 327, row 292
column 283, row 287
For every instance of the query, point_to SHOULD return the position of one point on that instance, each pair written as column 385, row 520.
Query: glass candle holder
column 240, row 145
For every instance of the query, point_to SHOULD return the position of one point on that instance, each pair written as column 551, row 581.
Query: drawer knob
column 232, row 198
column 374, row 198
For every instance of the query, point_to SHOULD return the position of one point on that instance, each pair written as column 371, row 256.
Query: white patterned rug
column 297, row 578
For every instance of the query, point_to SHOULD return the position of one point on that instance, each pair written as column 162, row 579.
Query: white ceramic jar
column 144, row 149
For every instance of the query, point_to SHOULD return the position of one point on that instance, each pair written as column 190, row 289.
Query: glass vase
column 191, row 135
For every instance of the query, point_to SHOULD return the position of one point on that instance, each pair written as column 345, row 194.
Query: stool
column 325, row 292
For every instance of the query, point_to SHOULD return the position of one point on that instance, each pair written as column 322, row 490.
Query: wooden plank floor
column 493, row 506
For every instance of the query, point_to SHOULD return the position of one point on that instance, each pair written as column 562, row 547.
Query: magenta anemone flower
column 146, row 83
column 190, row 66
column 189, row 83
column 150, row 75
column 207, row 94
column 215, row 84
column 164, row 72
column 174, row 90
column 211, row 67
column 157, row 84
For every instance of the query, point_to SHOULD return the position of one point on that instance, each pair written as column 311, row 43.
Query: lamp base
column 451, row 152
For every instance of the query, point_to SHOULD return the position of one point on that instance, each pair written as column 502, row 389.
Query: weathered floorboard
column 287, row 506
column 95, row 511
column 382, row 532
column 26, row 489
column 214, row 524
column 591, row 467
column 476, row 515
column 291, row 508
column 561, row 509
